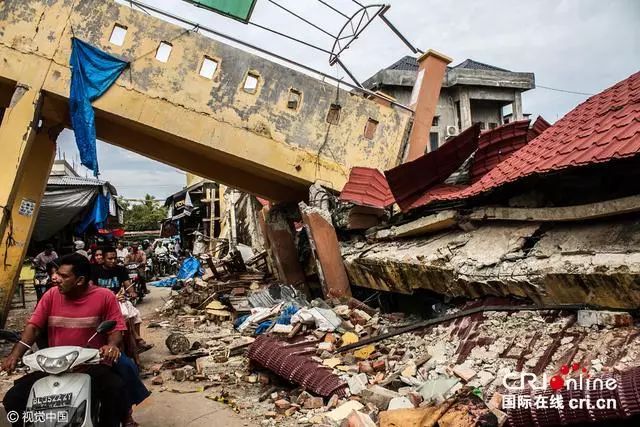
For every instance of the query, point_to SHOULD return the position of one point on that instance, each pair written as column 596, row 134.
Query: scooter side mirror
column 106, row 326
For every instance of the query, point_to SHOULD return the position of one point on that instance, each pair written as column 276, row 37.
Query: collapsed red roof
column 603, row 128
column 410, row 180
column 367, row 187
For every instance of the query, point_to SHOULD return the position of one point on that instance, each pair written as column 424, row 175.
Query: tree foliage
column 143, row 216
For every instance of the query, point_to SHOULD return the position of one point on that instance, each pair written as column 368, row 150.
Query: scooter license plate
column 52, row 401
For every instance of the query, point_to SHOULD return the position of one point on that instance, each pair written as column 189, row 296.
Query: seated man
column 115, row 278
column 71, row 312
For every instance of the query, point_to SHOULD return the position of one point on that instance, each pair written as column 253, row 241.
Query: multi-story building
column 471, row 92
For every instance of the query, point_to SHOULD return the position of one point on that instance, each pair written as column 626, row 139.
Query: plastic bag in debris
column 190, row 267
column 324, row 319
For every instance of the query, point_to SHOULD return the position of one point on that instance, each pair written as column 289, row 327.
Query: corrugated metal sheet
column 601, row 129
column 367, row 187
column 293, row 362
column 74, row 181
column 409, row 182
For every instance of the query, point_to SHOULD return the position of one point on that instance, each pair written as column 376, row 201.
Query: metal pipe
column 398, row 33
column 465, row 313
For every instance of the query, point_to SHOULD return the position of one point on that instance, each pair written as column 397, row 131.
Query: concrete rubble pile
column 296, row 370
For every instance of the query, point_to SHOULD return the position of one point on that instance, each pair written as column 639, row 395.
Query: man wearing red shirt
column 71, row 312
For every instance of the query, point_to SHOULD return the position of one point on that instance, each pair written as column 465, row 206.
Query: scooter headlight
column 55, row 365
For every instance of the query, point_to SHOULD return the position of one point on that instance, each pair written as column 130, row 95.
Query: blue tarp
column 96, row 216
column 92, row 73
column 190, row 267
column 164, row 283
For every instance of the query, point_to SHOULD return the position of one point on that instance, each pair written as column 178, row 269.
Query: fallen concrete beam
column 597, row 210
column 428, row 224
column 586, row 263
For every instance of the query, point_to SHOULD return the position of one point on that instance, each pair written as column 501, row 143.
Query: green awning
column 236, row 9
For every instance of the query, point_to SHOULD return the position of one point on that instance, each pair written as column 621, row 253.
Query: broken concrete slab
column 613, row 319
column 326, row 250
column 400, row 403
column 379, row 396
column 435, row 390
column 358, row 383
column 343, row 411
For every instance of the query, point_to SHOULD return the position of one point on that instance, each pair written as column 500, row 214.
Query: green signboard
column 236, row 9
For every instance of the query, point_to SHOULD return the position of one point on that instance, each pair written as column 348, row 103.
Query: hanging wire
column 334, row 9
column 302, row 19
column 290, row 38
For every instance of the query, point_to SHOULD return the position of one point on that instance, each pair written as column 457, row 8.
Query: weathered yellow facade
column 167, row 111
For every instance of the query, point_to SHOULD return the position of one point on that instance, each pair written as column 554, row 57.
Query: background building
column 471, row 92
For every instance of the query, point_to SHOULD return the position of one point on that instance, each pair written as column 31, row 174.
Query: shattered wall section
column 593, row 263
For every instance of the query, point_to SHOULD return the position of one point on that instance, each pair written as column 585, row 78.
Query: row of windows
column 210, row 66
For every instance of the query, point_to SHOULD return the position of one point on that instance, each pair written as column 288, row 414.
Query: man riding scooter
column 139, row 258
column 70, row 312
column 40, row 264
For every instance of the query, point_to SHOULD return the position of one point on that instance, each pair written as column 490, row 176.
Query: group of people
column 81, row 292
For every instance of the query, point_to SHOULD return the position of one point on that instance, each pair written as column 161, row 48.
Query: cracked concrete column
column 326, row 251
column 279, row 236
column 465, row 110
column 30, row 187
column 424, row 99
column 517, row 106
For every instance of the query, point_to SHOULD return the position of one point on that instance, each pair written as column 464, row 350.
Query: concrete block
column 613, row 319
column 358, row 419
column 400, row 403
column 343, row 411
column 464, row 373
column 358, row 383
column 379, row 396
column 313, row 402
column 436, row 389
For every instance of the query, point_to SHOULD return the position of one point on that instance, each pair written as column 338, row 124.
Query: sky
column 574, row 45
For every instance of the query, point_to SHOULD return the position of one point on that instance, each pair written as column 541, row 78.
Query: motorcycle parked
column 64, row 395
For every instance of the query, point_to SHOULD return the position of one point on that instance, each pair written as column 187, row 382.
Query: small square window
column 295, row 98
column 251, row 83
column 333, row 116
column 435, row 121
column 164, row 51
column 209, row 67
column 493, row 125
column 370, row 128
column 118, row 34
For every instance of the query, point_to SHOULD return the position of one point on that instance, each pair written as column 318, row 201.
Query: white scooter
column 63, row 397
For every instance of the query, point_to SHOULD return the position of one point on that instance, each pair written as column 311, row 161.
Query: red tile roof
column 603, row 128
column 367, row 187
column 496, row 145
column 410, row 180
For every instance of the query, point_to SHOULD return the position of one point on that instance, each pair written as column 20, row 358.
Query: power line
column 564, row 90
